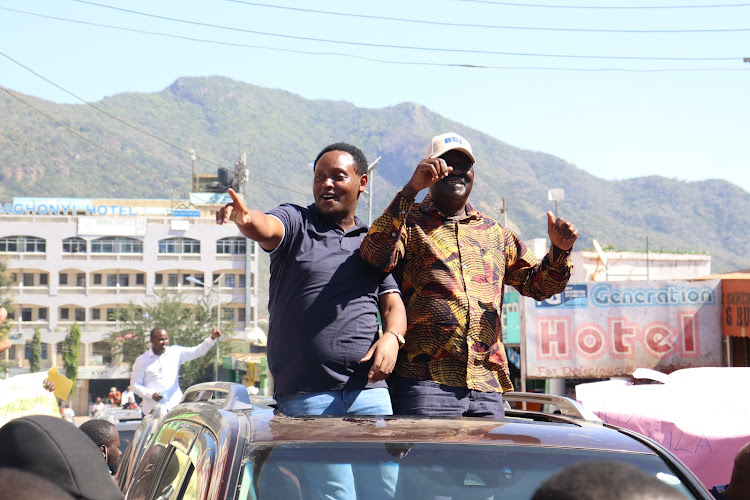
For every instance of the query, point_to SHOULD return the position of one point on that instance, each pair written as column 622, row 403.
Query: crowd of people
column 115, row 399
column 402, row 317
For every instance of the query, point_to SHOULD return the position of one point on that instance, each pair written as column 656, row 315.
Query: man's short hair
column 604, row 479
column 153, row 331
column 100, row 431
column 360, row 162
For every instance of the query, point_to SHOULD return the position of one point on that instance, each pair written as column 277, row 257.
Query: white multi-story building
column 82, row 259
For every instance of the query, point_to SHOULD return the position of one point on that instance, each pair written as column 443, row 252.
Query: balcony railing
column 116, row 290
column 30, row 290
column 27, row 256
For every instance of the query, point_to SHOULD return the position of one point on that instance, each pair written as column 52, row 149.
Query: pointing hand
column 236, row 211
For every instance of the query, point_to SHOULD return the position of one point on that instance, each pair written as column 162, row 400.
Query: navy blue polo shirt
column 323, row 303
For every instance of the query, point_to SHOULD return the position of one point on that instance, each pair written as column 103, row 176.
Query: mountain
column 282, row 132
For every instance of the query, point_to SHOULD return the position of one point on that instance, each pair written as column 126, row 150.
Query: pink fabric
column 702, row 415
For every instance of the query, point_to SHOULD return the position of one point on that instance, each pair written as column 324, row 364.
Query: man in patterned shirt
column 451, row 263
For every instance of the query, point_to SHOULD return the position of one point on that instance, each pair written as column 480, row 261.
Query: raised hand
column 562, row 234
column 236, row 211
column 427, row 173
column 215, row 333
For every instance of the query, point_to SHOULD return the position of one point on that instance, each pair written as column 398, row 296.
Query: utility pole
column 504, row 213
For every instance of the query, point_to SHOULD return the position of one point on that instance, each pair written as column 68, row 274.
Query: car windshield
column 422, row 470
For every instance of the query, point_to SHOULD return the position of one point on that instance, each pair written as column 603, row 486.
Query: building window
column 81, row 279
column 80, row 314
column 64, row 313
column 172, row 280
column 140, row 279
column 116, row 244
column 23, row 244
column 110, row 314
column 241, row 314
column 26, row 314
column 96, row 314
column 111, row 280
column 233, row 246
column 229, row 280
column 63, row 279
column 43, row 313
column 241, row 280
column 74, row 245
column 97, row 279
column 28, row 279
column 43, row 279
column 123, row 280
column 158, row 279
column 227, row 314
column 29, row 347
column 180, row 245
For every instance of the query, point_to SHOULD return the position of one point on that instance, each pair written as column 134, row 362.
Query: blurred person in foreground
column 106, row 437
column 156, row 372
column 604, row 480
column 739, row 485
column 56, row 451
column 451, row 262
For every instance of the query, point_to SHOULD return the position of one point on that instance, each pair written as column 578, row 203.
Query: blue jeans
column 343, row 481
column 425, row 397
column 342, row 402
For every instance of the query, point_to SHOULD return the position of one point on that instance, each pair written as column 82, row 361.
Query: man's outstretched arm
column 265, row 229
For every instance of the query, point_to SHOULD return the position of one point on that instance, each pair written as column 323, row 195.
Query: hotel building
column 80, row 260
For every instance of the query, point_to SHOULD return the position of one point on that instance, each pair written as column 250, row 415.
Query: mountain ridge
column 282, row 132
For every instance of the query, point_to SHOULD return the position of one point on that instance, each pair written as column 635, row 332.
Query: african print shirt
column 451, row 272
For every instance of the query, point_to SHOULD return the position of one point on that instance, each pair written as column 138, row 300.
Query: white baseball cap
column 443, row 143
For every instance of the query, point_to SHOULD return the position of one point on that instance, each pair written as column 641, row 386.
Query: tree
column 187, row 325
column 71, row 346
column 35, row 360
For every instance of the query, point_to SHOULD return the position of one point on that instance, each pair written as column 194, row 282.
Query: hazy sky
column 689, row 125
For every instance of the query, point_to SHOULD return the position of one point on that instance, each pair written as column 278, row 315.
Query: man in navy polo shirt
column 323, row 350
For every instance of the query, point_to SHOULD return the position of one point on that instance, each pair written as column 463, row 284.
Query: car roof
column 519, row 428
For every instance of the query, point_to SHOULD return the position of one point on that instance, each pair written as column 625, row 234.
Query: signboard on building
column 600, row 330
column 111, row 226
column 511, row 319
column 186, row 213
column 735, row 307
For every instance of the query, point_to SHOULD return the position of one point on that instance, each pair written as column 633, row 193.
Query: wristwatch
column 399, row 337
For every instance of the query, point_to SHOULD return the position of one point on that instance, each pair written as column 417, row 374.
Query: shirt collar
column 315, row 211
column 428, row 205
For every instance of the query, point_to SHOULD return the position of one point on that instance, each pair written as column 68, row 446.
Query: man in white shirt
column 128, row 398
column 97, row 407
column 156, row 372
column 68, row 413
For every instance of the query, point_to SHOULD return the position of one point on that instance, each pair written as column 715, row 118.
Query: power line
column 140, row 129
column 609, row 7
column 531, row 28
column 96, row 145
column 469, row 25
column 431, row 49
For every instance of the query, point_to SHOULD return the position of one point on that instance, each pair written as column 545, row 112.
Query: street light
column 369, row 189
column 216, row 286
column 556, row 195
